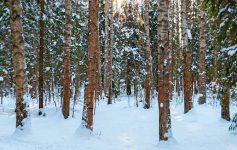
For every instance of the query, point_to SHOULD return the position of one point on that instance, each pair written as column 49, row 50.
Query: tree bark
column 225, row 104
column 187, row 77
column 41, row 56
column 163, row 71
column 18, row 60
column 108, row 49
column 202, row 55
column 178, row 49
column 93, row 48
column 66, row 69
column 148, row 81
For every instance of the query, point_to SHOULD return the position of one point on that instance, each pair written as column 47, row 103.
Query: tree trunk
column 187, row 77
column 148, row 81
column 163, row 71
column 202, row 55
column 66, row 69
column 108, row 49
column 128, row 81
column 18, row 60
column 225, row 104
column 34, row 82
column 136, row 91
column 214, row 72
column 178, row 57
column 41, row 57
column 93, row 49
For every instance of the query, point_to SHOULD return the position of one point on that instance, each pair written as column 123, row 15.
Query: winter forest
column 118, row 74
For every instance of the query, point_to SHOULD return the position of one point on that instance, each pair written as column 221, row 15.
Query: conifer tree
column 18, row 60
column 163, row 71
column 66, row 69
column 93, row 48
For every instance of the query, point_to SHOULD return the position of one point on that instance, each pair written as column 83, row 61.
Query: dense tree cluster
column 49, row 50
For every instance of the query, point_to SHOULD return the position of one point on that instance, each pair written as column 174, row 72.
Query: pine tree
column 108, row 49
column 66, row 69
column 224, row 30
column 202, row 56
column 163, row 71
column 148, row 80
column 93, row 48
column 41, row 56
column 18, row 60
column 186, row 38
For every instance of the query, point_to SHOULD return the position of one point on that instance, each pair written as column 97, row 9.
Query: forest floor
column 120, row 126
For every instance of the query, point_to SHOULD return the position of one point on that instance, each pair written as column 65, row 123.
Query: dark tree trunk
column 66, row 69
column 41, row 56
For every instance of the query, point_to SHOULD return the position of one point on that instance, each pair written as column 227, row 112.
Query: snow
column 117, row 127
column 1, row 78
column 232, row 50
column 189, row 34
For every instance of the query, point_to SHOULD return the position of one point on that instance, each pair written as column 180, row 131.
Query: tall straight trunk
column 98, row 87
column 41, row 56
column 76, row 92
column 171, row 46
column 78, row 70
column 77, row 80
column 18, row 59
column 66, row 62
column 34, row 82
column 215, row 68
column 202, row 55
column 187, row 77
column 225, row 104
column 148, row 81
column 163, row 71
column 93, row 49
column 136, row 91
column 177, row 48
column 128, row 80
column 108, row 48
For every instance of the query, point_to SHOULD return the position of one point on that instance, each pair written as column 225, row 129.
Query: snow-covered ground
column 118, row 127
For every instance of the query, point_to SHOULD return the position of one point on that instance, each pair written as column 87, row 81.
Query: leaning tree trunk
column 41, row 56
column 18, row 59
column 163, row 71
column 187, row 77
column 93, row 48
column 148, row 81
column 66, row 69
column 202, row 55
